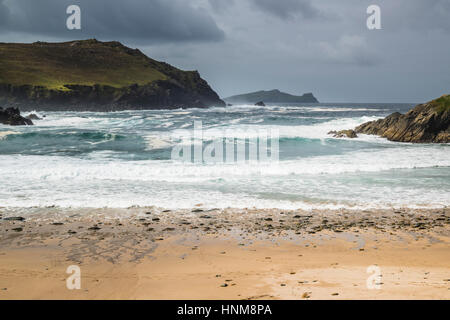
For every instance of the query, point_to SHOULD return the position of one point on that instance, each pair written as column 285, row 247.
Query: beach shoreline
column 155, row 253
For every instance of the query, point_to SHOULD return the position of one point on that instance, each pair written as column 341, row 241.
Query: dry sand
column 151, row 253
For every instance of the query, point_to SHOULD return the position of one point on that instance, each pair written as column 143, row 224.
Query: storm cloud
column 239, row 46
column 139, row 21
column 285, row 9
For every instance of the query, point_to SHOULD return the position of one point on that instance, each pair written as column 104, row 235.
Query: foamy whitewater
column 122, row 159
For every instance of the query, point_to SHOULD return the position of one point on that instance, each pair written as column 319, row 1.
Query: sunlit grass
column 442, row 104
column 77, row 63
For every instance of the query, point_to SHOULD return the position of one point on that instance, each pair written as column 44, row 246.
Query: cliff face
column 272, row 96
column 429, row 122
column 96, row 76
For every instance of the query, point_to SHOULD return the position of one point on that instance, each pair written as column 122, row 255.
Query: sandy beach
column 152, row 253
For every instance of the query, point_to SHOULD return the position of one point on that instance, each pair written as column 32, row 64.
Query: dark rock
column 94, row 228
column 11, row 116
column 33, row 117
column 17, row 229
column 14, row 219
column 428, row 122
column 260, row 104
column 344, row 133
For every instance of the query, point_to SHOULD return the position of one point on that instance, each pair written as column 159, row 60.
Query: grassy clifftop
column 442, row 104
column 57, row 69
column 427, row 122
column 88, row 62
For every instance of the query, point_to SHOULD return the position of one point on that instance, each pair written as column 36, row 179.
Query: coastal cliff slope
column 90, row 75
column 428, row 122
column 272, row 96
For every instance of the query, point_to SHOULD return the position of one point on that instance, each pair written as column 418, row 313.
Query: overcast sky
column 238, row 46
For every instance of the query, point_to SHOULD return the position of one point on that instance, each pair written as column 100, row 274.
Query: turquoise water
column 120, row 159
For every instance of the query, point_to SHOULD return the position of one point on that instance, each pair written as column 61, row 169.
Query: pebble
column 14, row 219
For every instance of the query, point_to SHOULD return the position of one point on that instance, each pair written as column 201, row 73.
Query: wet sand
column 152, row 253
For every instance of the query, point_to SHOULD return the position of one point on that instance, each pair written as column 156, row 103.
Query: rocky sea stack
column 90, row 75
column 428, row 122
column 11, row 116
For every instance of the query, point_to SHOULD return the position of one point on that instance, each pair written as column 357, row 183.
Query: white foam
column 46, row 180
column 54, row 168
column 4, row 134
column 285, row 108
column 156, row 142
column 40, row 115
column 325, row 181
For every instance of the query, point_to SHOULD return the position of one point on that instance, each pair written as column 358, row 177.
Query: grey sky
column 238, row 46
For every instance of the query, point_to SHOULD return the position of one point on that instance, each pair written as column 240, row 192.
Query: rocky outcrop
column 11, row 116
column 428, row 122
column 260, row 104
column 33, row 116
column 344, row 134
column 91, row 75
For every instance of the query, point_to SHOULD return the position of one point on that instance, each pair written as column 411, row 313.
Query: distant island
column 90, row 75
column 272, row 96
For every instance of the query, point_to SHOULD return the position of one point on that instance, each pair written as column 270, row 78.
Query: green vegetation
column 442, row 104
column 86, row 62
column 95, row 76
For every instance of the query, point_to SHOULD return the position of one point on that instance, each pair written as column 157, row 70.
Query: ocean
column 123, row 159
